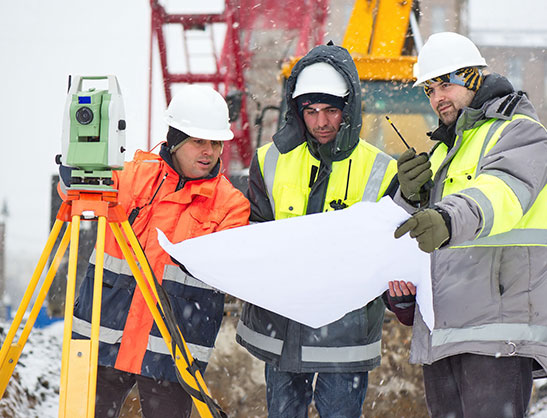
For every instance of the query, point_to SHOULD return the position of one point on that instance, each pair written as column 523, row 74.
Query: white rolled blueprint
column 313, row 269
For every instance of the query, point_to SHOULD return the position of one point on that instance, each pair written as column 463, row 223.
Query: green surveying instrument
column 93, row 145
column 93, row 137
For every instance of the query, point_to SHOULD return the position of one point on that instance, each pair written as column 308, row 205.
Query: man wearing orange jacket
column 182, row 192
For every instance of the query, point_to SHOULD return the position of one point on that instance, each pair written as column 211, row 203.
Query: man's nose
column 207, row 147
column 435, row 96
column 322, row 119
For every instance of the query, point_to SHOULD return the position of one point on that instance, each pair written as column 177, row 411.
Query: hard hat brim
column 320, row 77
column 207, row 134
column 447, row 70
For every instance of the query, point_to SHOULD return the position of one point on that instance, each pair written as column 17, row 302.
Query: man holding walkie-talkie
column 485, row 226
column 317, row 163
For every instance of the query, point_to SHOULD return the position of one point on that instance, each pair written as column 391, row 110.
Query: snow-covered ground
column 539, row 410
column 33, row 391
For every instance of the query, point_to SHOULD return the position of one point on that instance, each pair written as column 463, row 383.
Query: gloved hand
column 429, row 227
column 413, row 171
column 401, row 300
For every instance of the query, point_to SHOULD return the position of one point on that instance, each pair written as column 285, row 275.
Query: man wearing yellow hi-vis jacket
column 485, row 226
column 317, row 163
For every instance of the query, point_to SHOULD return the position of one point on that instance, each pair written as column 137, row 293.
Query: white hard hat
column 445, row 52
column 200, row 112
column 320, row 78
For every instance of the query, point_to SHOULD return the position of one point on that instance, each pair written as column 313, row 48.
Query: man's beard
column 449, row 115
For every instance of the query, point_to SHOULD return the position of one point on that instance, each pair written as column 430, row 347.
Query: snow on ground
column 33, row 390
column 539, row 410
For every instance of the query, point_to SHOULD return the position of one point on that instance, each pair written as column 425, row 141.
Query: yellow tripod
column 79, row 357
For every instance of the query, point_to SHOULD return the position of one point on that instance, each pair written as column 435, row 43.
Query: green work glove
column 413, row 171
column 429, row 227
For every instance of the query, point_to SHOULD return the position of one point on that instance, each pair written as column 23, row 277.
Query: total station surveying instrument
column 93, row 137
column 93, row 145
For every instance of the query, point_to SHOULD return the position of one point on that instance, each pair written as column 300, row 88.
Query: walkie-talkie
column 429, row 183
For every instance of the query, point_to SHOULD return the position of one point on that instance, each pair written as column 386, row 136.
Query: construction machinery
column 382, row 36
column 218, row 47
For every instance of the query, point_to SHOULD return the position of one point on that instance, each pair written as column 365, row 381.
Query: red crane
column 306, row 18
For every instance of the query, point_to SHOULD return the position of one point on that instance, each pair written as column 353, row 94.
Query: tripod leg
column 180, row 363
column 80, row 357
column 9, row 354
column 79, row 349
column 135, row 245
column 96, row 316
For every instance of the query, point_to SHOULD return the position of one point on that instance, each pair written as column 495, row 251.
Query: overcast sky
column 42, row 42
column 508, row 14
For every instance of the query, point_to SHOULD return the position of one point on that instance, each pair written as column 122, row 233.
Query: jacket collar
column 168, row 158
column 203, row 186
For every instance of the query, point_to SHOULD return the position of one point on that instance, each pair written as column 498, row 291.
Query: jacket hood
column 294, row 132
column 496, row 99
column 503, row 101
column 493, row 86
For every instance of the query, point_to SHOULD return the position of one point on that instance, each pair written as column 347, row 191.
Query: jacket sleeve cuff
column 447, row 221
column 465, row 218
column 400, row 200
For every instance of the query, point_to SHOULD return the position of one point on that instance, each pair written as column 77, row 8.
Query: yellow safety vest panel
column 509, row 215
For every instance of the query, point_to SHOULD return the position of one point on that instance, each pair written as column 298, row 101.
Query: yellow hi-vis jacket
column 353, row 343
column 364, row 176
column 490, row 280
column 510, row 214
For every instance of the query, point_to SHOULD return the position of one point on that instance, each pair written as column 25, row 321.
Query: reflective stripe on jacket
column 129, row 339
column 510, row 215
column 490, row 282
column 353, row 343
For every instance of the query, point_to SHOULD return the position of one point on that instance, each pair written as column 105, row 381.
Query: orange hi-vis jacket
column 129, row 339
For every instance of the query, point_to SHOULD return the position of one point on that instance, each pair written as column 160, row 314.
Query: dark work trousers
column 475, row 386
column 159, row 399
